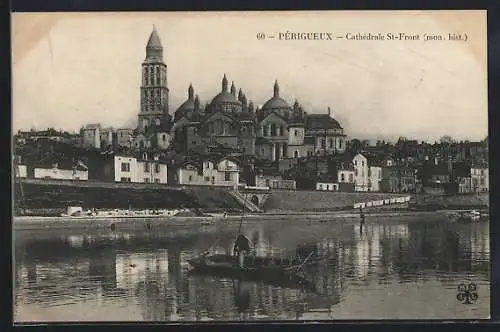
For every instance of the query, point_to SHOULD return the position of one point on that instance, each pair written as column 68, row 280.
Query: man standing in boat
column 241, row 249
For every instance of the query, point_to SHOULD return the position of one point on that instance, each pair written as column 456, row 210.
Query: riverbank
column 30, row 223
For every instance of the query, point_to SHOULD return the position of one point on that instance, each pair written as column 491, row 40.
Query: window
column 296, row 132
column 356, row 172
column 193, row 142
column 227, row 176
column 157, row 168
column 342, row 177
column 273, row 130
column 362, row 164
column 146, row 180
column 207, row 178
column 340, row 144
column 146, row 167
column 327, row 187
column 331, row 143
column 323, row 143
column 157, row 180
column 296, row 154
column 164, row 137
column 190, row 178
column 355, row 163
column 267, row 182
column 125, row 167
column 320, row 187
column 124, row 179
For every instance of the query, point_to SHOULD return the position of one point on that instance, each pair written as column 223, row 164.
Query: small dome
column 276, row 102
column 188, row 106
column 224, row 97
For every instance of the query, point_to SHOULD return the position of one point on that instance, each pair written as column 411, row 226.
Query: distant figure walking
column 362, row 220
column 241, row 249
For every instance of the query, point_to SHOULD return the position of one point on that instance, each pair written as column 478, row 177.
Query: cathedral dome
column 189, row 106
column 226, row 100
column 224, row 97
column 276, row 102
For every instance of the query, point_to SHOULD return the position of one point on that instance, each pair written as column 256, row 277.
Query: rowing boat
column 267, row 269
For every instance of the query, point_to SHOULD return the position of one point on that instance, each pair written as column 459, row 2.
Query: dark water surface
column 396, row 269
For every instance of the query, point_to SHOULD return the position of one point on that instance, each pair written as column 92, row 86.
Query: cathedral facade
column 229, row 121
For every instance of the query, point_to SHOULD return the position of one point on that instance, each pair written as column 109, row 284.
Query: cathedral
column 229, row 122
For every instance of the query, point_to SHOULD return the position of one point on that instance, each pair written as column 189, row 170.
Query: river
column 399, row 268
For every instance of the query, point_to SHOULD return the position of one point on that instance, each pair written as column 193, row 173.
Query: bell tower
column 154, row 90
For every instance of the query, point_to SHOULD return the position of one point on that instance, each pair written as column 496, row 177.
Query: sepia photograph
column 183, row 167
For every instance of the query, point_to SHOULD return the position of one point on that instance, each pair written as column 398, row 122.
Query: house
column 151, row 170
column 398, row 179
column 327, row 183
column 480, row 179
column 440, row 173
column 128, row 167
column 273, row 179
column 464, row 185
column 375, row 165
column 345, row 177
column 361, row 175
column 79, row 171
column 206, row 172
column 21, row 171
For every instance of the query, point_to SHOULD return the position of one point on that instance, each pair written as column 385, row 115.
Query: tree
column 446, row 140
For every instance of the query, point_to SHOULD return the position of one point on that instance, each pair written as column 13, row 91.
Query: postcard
column 250, row 166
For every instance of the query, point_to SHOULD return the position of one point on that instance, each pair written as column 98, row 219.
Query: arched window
column 342, row 177
column 157, row 74
column 144, row 76
column 273, row 130
column 296, row 154
column 151, row 76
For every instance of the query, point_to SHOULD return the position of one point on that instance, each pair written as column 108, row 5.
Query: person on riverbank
column 361, row 219
column 241, row 249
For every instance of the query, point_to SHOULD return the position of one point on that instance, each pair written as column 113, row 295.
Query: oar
column 301, row 265
column 213, row 244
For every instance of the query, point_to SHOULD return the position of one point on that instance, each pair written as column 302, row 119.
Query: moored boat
column 468, row 216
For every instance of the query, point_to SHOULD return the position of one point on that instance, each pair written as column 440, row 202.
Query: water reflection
column 145, row 275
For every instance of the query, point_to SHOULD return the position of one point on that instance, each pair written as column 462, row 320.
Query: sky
column 71, row 69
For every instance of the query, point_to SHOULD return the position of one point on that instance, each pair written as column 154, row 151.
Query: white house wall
column 60, row 174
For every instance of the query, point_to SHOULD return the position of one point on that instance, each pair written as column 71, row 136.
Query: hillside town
column 229, row 142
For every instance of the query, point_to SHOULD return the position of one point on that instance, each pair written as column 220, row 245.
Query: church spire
column 154, row 47
column 233, row 89
column 190, row 91
column 224, row 83
column 276, row 89
column 250, row 106
column 196, row 103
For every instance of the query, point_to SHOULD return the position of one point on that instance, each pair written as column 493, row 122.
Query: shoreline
column 86, row 222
